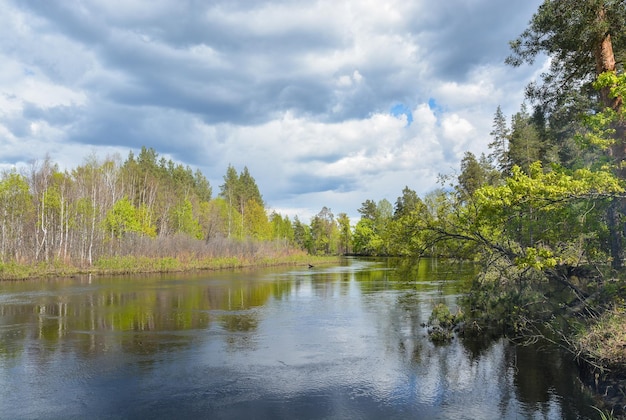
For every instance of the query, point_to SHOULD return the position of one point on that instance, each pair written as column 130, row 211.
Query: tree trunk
column 605, row 62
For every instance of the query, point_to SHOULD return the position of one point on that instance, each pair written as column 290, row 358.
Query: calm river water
column 331, row 342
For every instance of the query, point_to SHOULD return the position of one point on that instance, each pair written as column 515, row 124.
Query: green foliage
column 122, row 219
column 144, row 218
column 373, row 232
column 365, row 240
column 407, row 232
column 202, row 186
column 539, row 259
column 184, row 221
column 600, row 130
column 16, row 207
column 238, row 190
column 242, row 194
column 107, row 212
column 282, row 229
column 616, row 83
column 345, row 234
column 442, row 323
column 542, row 210
column 256, row 222
column 324, row 233
column 601, row 126
column 302, row 235
column 570, row 32
column 368, row 210
column 525, row 144
column 442, row 316
column 408, row 202
column 473, row 175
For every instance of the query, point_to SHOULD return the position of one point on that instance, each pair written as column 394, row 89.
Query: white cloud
column 300, row 92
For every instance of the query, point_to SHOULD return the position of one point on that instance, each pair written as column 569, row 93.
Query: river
column 331, row 342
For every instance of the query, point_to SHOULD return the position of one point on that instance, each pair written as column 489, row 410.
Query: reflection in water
column 338, row 342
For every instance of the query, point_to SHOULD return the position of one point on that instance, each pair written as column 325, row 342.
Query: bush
column 442, row 323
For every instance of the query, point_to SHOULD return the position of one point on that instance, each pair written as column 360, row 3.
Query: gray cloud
column 462, row 35
column 306, row 183
column 60, row 115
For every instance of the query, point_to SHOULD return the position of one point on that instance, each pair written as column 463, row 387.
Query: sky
column 326, row 102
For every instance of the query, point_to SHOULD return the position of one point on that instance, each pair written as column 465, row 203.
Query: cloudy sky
column 327, row 102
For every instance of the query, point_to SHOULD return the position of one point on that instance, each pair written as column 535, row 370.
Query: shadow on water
column 345, row 341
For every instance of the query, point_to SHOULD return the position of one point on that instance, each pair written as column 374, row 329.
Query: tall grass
column 169, row 254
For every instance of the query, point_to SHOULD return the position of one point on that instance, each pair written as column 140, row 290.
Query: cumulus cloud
column 326, row 103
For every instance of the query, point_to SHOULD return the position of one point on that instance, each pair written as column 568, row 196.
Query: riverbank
column 582, row 311
column 601, row 346
column 139, row 265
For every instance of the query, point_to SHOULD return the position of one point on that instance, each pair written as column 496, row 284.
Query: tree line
column 109, row 207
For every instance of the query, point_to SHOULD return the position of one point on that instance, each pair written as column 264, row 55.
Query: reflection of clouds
column 331, row 343
column 327, row 340
column 449, row 378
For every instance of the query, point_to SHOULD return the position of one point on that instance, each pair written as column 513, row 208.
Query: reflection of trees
column 449, row 277
column 146, row 316
column 453, row 273
column 137, row 315
column 544, row 373
column 241, row 328
column 239, row 322
column 536, row 375
column 476, row 344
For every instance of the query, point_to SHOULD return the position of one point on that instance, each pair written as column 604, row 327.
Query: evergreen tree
column 239, row 191
column 581, row 37
column 472, row 176
column 406, row 203
column 248, row 189
column 368, row 210
column 302, row 235
column 525, row 146
column 499, row 145
column 202, row 186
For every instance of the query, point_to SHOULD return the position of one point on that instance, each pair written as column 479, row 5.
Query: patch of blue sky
column 401, row 109
column 434, row 106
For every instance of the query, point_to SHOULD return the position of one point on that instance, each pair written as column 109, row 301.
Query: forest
column 543, row 213
column 114, row 214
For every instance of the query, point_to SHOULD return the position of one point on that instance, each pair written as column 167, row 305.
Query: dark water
column 329, row 342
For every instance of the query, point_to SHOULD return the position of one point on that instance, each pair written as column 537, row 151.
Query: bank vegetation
column 544, row 213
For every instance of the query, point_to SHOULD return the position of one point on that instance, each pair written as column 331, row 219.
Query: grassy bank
column 604, row 342
column 132, row 265
column 601, row 346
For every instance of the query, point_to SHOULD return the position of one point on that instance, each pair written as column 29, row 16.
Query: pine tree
column 499, row 145
column 525, row 146
column 582, row 39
